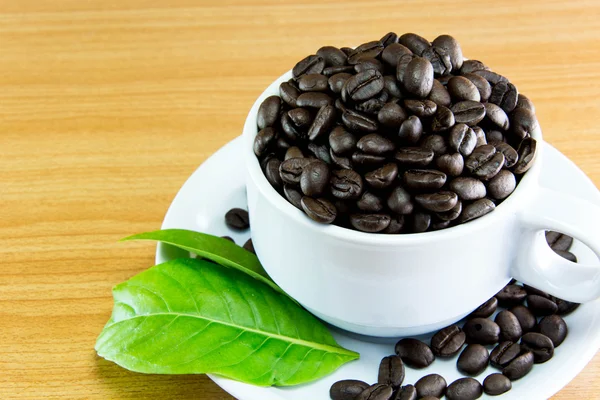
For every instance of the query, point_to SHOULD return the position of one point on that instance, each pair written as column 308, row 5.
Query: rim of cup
column 255, row 173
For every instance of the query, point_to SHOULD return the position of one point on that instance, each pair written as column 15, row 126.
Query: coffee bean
column 367, row 160
column 289, row 94
column 482, row 331
column 462, row 139
column 519, row 367
column 431, row 385
column 293, row 196
column 555, row 328
column 424, row 179
column 399, row 201
column 370, row 222
column 490, row 76
column 341, row 141
column 365, row 50
column 435, row 143
column 402, row 66
column 312, row 64
column 421, row 108
column 483, row 86
column 567, row 255
column 510, row 154
column 363, row 85
column 468, row 188
column 292, row 133
column 476, row 209
column 237, row 219
column 391, row 85
column 510, row 328
column 330, row 71
column 504, row 94
column 396, row 224
column 565, row 307
column 541, row 306
column 339, row 161
column 511, row 295
column 374, row 104
column 540, row 345
column 391, row 371
column 527, row 152
column 346, row 184
column 347, row 50
column 272, row 173
column 504, row 353
column 492, row 136
column 314, row 179
column 382, row 177
column 496, row 116
column 389, row 38
column 312, row 83
column 448, row 341
column 439, row 94
column 470, row 66
column 473, row 360
column 531, row 290
column 336, row 82
column 249, row 246
column 523, row 122
column 332, row 56
column 369, row 202
column 437, row 202
column 347, row 389
column 443, row 119
column 392, row 53
column 263, row 141
column 392, row 115
column 462, row 89
column 496, row 384
column 524, row 102
column 407, row 392
column 420, row 222
column 464, row 389
column 485, row 162
column 450, row 164
column 319, row 210
column 525, row 316
column 414, row 353
column 358, row 122
column 411, row 130
column 439, row 59
column 369, row 63
column 376, row 392
column 301, row 118
column 558, row 241
column 268, row 112
column 438, row 225
column 313, row 100
column 486, row 309
column 452, row 48
column 414, row 156
column 320, row 151
column 468, row 112
column 418, row 77
column 323, row 122
column 414, row 42
column 375, row 144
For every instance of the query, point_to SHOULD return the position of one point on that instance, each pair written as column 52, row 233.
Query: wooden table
column 106, row 107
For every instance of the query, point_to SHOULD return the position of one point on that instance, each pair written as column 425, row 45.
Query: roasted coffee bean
column 346, row 184
column 452, row 48
column 314, row 179
column 450, row 164
column 391, row 371
column 292, row 133
column 483, row 86
column 374, row 104
column 462, row 89
column 468, row 112
column 339, row 161
column 435, row 143
column 470, row 66
column 389, row 38
column 511, row 295
column 504, row 94
column 228, row 238
column 476, row 209
column 272, row 173
column 525, row 316
column 473, row 360
column 524, row 102
column 293, row 196
column 431, row 385
column 314, row 100
column 464, row 389
column 418, row 77
column 496, row 384
column 554, row 327
column 390, row 85
column 382, row 177
column 492, row 136
column 420, row 222
column 510, row 328
column 312, row 83
column 365, row 50
column 369, row 63
column 565, row 307
column 375, row 144
column 496, row 116
column 301, row 118
column 358, row 122
column 480, row 135
column 336, row 82
column 367, row 160
column 282, row 144
column 485, row 162
column 411, row 130
column 312, row 64
column 341, row 141
column 249, row 246
column 439, row 94
column 468, row 188
column 320, row 210
column 268, row 112
column 541, row 306
column 437, row 202
column 263, row 141
column 392, row 115
column 320, row 152
column 443, row 119
column 291, row 169
column 369, row 202
column 558, row 241
column 376, row 392
column 486, row 309
column 392, row 53
column 567, row 255
column 330, row 71
column 363, row 85
column 481, row 331
column 399, row 201
column 414, row 156
column 490, row 76
column 332, row 56
column 414, row 353
column 519, row 367
column 531, row 290
column 408, row 392
column 438, row 225
column 510, row 154
column 439, row 59
column 504, row 353
column 347, row 50
column 523, row 122
column 347, row 389
column 237, row 219
column 424, row 179
column 448, row 341
column 527, row 152
column 323, row 122
column 540, row 345
column 414, row 42
column 462, row 139
column 421, row 108
column 402, row 66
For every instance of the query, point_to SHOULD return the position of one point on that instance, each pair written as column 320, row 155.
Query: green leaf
column 219, row 250
column 190, row 316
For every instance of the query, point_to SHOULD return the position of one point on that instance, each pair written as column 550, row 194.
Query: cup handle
column 537, row 265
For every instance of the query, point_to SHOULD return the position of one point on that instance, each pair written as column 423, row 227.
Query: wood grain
column 106, row 107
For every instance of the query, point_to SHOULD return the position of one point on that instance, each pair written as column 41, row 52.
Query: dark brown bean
column 237, row 219
column 482, row 85
column 504, row 94
column 525, row 316
column 358, row 122
column 421, row 108
column 448, row 341
column 268, row 112
column 482, row 331
column 363, row 85
column 524, row 102
column 485, row 162
column 369, row 63
column 367, row 160
column 485, row 310
column 313, row 100
column 462, row 89
column 450, row 164
column 319, row 210
column 417, row 44
column 519, row 367
column 468, row 112
column 496, row 384
column 473, row 360
column 314, row 179
column 312, row 83
column 375, row 144
column 464, row 389
column 263, row 141
column 437, row 202
column 453, row 49
column 468, row 188
column 365, row 50
column 470, row 66
column 341, row 141
column 414, row 156
column 339, row 161
column 540, row 345
column 320, row 152
column 392, row 53
column 510, row 328
column 312, row 64
column 558, row 241
column 414, row 353
column 411, row 130
column 289, row 94
column 431, row 385
column 476, row 209
column 249, row 246
column 424, row 179
column 541, row 306
column 323, row 122
column 399, row 201
column 402, row 65
column 293, row 196
column 391, row 371
column 555, row 328
column 462, row 139
column 336, row 82
column 490, row 76
column 527, row 153
column 407, row 392
column 391, row 85
column 272, row 173
column 392, row 115
column 369, row 203
column 523, row 122
column 383, row 177
column 439, row 94
column 291, row 169
column 418, row 77
column 346, row 184
column 347, row 389
column 439, row 59
column 511, row 295
column 332, row 56
column 443, row 119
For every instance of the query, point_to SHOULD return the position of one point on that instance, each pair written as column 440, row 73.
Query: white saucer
column 218, row 185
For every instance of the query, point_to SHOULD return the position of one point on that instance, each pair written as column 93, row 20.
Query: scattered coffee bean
column 407, row 392
column 482, row 331
column 414, row 353
column 392, row 115
column 391, row 371
column 249, row 246
column 496, row 384
column 504, row 353
column 511, row 295
column 376, row 392
column 392, row 53
column 541, row 306
column 448, row 341
column 540, row 345
column 358, row 122
column 347, row 389
column 486, row 309
column 323, row 122
column 462, row 139
column 485, row 162
column 431, row 385
column 565, row 307
column 464, row 389
column 554, row 327
column 519, row 367
column 510, row 328
column 504, row 94
column 473, row 360
column 237, row 219
column 525, row 316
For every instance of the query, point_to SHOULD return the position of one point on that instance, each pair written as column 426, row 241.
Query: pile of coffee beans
column 398, row 135
column 526, row 332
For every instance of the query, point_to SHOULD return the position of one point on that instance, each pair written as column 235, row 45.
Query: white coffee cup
column 407, row 284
